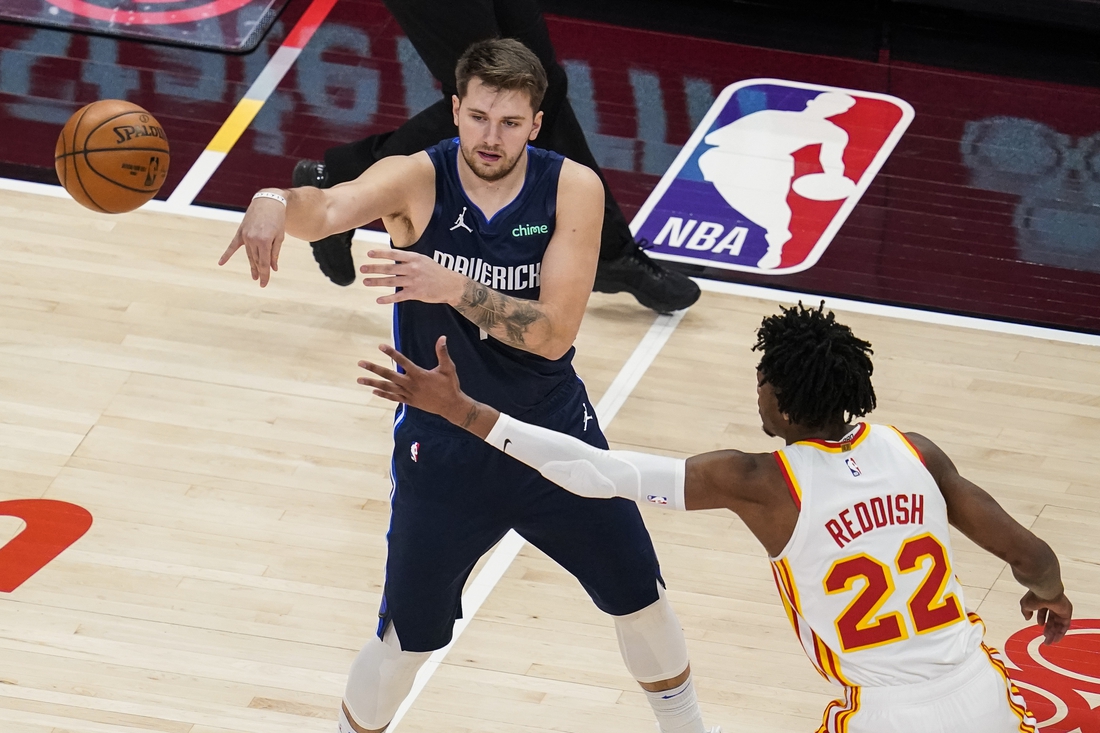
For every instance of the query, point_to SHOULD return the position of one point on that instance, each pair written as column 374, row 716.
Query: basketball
column 823, row 187
column 112, row 156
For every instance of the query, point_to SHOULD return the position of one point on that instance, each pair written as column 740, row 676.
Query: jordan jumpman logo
column 461, row 222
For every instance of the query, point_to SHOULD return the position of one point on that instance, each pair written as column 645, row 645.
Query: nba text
column 518, row 277
column 707, row 237
column 879, row 512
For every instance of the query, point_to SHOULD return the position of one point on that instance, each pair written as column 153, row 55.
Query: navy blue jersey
column 504, row 253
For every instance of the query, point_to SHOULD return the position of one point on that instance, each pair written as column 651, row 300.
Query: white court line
column 715, row 286
column 208, row 162
column 192, row 183
column 898, row 311
column 507, row 549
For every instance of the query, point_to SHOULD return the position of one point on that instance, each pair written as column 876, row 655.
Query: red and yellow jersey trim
column 824, row 659
column 832, row 446
column 909, row 444
column 788, row 476
column 783, row 567
column 1015, row 699
column 838, row 714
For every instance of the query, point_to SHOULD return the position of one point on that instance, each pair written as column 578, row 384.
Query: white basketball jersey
column 867, row 577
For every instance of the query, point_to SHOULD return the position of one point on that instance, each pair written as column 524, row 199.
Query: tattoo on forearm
column 471, row 416
column 506, row 318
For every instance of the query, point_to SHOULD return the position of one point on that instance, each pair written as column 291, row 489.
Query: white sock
column 342, row 725
column 677, row 710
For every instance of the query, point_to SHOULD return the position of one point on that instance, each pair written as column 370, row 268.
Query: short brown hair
column 505, row 64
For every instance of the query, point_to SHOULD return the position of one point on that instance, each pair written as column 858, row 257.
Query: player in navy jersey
column 494, row 246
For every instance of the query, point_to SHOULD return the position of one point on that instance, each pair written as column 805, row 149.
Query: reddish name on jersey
column 880, row 511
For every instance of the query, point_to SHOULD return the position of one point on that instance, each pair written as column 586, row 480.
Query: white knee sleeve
column 380, row 678
column 652, row 642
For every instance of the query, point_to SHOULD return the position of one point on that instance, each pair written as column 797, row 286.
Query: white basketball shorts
column 978, row 696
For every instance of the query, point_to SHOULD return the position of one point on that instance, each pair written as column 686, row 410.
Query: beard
column 489, row 172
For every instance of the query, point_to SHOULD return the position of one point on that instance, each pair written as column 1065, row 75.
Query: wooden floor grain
column 237, row 477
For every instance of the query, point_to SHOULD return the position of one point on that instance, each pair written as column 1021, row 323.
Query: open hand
column 418, row 277
column 261, row 234
column 1053, row 615
column 435, row 391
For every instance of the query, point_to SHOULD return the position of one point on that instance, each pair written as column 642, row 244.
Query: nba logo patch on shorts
column 770, row 175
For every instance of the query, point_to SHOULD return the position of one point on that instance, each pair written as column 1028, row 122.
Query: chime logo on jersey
column 770, row 175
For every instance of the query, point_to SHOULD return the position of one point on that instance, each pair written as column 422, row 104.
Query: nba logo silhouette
column 770, row 175
column 853, row 466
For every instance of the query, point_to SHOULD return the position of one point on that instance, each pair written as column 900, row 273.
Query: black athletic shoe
column 332, row 253
column 655, row 287
column 310, row 173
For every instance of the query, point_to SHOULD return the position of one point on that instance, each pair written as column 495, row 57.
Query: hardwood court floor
column 237, row 476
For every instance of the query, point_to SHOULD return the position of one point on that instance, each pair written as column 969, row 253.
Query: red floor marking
column 308, row 24
column 51, row 527
column 1067, row 673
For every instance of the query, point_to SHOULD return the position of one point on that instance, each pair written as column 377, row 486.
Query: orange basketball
column 112, row 156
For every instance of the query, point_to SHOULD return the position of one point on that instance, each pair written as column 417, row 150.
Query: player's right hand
column 436, row 391
column 1053, row 615
column 261, row 233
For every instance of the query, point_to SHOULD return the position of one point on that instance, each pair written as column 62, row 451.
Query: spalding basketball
column 112, row 156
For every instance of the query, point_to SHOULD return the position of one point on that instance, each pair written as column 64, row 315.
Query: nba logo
column 852, row 466
column 770, row 175
column 414, row 451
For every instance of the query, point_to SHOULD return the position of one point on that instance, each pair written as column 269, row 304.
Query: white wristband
column 269, row 195
column 589, row 471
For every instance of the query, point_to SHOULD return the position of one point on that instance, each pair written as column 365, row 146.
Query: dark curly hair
column 820, row 371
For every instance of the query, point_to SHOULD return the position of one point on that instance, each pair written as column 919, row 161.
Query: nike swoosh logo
column 506, row 442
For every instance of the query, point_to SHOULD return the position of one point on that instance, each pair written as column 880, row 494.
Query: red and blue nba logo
column 853, row 466
column 770, row 175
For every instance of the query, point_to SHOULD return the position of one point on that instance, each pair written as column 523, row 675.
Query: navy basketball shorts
column 456, row 496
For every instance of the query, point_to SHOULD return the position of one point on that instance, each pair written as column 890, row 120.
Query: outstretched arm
column 978, row 515
column 748, row 484
column 382, row 191
column 565, row 460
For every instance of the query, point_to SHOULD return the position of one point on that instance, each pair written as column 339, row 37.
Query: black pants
column 441, row 30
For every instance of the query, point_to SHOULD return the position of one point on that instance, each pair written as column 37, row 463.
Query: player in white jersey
column 854, row 517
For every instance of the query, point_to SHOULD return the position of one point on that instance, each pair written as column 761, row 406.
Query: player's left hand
column 417, row 278
column 1053, row 615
